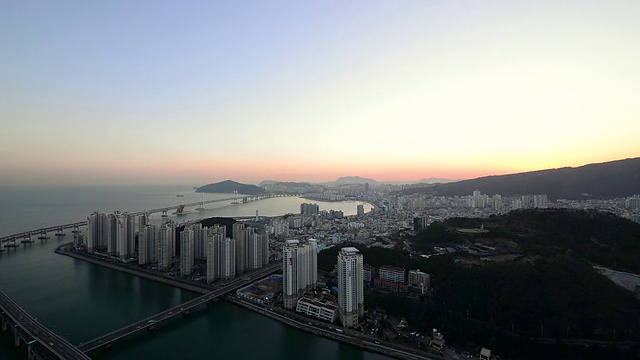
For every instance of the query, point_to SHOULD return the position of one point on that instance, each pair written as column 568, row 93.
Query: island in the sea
column 231, row 187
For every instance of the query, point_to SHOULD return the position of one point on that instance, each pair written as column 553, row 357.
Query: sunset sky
column 117, row 92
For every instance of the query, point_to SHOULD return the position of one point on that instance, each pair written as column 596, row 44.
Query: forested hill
column 229, row 187
column 603, row 181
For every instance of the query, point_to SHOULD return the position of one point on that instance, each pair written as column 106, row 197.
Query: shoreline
column 292, row 322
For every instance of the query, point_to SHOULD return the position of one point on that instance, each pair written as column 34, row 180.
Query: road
column 152, row 321
column 47, row 338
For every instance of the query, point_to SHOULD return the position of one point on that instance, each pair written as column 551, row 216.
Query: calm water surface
column 81, row 301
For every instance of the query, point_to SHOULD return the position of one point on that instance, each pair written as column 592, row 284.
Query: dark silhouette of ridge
column 229, row 186
column 620, row 178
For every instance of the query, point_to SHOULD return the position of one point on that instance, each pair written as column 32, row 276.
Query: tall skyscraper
column 240, row 241
column 299, row 270
column 199, row 239
column 147, row 244
column 186, row 251
column 165, row 244
column 121, row 235
column 98, row 231
column 265, row 249
column 360, row 210
column 213, row 241
column 227, row 259
column 142, row 245
column 254, row 251
column 350, row 286
column 132, row 229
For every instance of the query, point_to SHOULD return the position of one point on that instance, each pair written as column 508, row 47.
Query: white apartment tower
column 227, row 259
column 350, row 286
column 299, row 270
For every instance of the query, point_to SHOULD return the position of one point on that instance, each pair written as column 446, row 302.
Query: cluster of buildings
column 128, row 237
column 300, row 274
column 480, row 201
column 114, row 234
column 397, row 279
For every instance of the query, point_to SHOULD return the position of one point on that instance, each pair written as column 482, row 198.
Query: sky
column 166, row 92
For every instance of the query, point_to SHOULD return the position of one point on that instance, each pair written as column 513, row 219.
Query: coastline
column 366, row 343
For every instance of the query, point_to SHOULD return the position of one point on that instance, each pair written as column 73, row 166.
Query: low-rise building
column 392, row 274
column 322, row 310
column 419, row 280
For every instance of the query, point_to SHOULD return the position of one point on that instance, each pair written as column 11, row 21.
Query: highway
column 47, row 338
column 152, row 321
column 329, row 331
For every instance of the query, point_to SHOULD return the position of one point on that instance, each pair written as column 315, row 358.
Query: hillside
column 604, row 180
column 229, row 187
column 549, row 290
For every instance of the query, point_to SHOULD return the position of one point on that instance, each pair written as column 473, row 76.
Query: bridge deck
column 47, row 229
column 47, row 338
column 144, row 324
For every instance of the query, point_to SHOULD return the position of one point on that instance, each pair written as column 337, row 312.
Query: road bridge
column 25, row 236
column 58, row 229
column 32, row 332
column 151, row 322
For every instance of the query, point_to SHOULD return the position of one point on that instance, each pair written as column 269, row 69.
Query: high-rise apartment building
column 227, row 259
column 199, row 238
column 254, row 251
column 240, row 237
column 165, row 244
column 186, row 251
column 360, row 210
column 299, row 270
column 265, row 249
column 350, row 286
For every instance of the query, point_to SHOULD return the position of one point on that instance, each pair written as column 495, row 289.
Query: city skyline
column 165, row 93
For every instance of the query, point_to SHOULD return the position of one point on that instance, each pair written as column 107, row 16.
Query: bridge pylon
column 60, row 232
column 30, row 353
column 16, row 336
column 26, row 239
column 43, row 236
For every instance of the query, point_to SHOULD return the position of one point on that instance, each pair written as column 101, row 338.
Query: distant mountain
column 349, row 180
column 267, row 182
column 229, row 187
column 607, row 180
column 285, row 183
column 435, row 181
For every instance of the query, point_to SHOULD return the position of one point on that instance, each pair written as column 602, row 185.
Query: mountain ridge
column 229, row 187
column 612, row 179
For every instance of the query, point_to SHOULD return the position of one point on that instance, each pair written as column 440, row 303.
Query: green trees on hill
column 551, row 291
